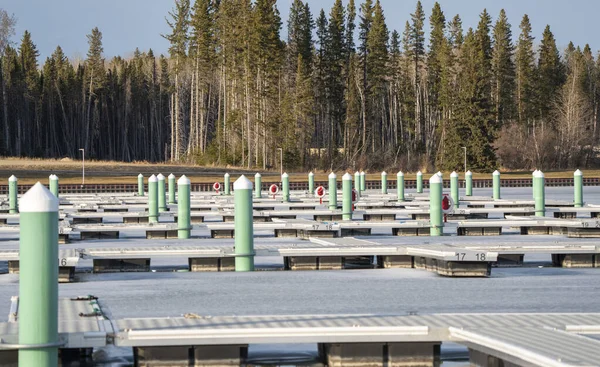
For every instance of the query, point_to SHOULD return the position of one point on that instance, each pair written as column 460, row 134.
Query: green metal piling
column 140, row 185
column 496, row 185
column 578, row 188
column 311, row 183
column 244, row 226
column 54, row 184
column 184, row 223
column 172, row 189
column 454, row 188
column 347, row 197
column 435, row 206
column 363, row 181
column 257, row 185
column 285, row 187
column 357, row 182
column 162, row 193
column 540, row 192
column 469, row 183
column 152, row 199
column 38, row 278
column 419, row 182
column 400, row 185
column 384, row 183
column 226, row 184
column 332, row 188
column 13, row 203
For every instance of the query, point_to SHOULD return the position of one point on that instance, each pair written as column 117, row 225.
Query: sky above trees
column 139, row 23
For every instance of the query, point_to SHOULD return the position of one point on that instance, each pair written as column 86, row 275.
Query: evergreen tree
column 525, row 79
column 503, row 70
column 550, row 72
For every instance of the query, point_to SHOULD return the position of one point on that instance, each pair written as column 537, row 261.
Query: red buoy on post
column 447, row 206
column 217, row 187
column 320, row 193
column 273, row 190
column 354, row 197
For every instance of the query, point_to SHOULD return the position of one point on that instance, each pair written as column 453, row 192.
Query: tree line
column 341, row 91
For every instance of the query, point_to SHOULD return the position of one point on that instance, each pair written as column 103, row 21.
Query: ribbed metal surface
column 542, row 347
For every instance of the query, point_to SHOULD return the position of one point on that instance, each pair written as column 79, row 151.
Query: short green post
column 183, row 208
column 578, row 183
column 162, row 194
column 38, row 278
column 285, row 187
column 357, row 182
column 152, row 199
column 384, row 183
column 363, row 181
column 244, row 226
column 533, row 187
column 400, row 185
column 311, row 183
column 496, row 184
column 435, row 206
column 347, row 196
column 332, row 188
column 140, row 185
column 469, row 183
column 540, row 192
column 172, row 189
column 257, row 185
column 454, row 188
column 419, row 182
column 226, row 184
column 54, row 184
column 13, row 204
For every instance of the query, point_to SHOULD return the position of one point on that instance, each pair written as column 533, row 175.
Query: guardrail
column 302, row 186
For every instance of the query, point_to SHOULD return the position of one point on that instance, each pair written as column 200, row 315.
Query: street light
column 82, row 166
column 280, row 160
column 465, row 148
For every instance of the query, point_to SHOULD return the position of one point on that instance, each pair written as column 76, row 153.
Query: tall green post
column 226, row 184
column 152, row 199
column 540, row 192
column 332, row 188
column 435, row 206
column 54, row 184
column 311, row 183
column 469, row 183
column 162, row 194
column 38, row 278
column 183, row 208
column 257, row 185
column 357, row 182
column 285, row 187
column 13, row 203
column 400, row 185
column 140, row 185
column 244, row 226
column 578, row 188
column 496, row 184
column 533, row 186
column 454, row 188
column 419, row 182
column 363, row 181
column 172, row 189
column 347, row 196
column 384, row 190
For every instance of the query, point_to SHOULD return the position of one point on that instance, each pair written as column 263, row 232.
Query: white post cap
column 311, row 174
column 539, row 174
column 12, row 178
column 257, row 175
column 160, row 177
column 362, row 173
column 347, row 177
column 332, row 175
column 53, row 177
column 576, row 173
column 242, row 183
column 454, row 174
column 38, row 200
column 227, row 175
column 469, row 173
column 419, row 173
column 384, row 173
column 152, row 179
column 183, row 180
column 439, row 173
column 400, row 173
column 171, row 176
column 140, row 176
column 435, row 179
column 496, row 173
column 285, row 175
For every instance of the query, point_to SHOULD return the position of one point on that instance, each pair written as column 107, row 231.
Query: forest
column 341, row 91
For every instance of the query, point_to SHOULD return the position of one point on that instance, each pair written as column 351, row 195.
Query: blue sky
column 127, row 24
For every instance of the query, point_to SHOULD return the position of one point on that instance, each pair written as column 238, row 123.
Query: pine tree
column 550, row 72
column 503, row 70
column 525, row 78
column 95, row 73
column 437, row 44
column 416, row 51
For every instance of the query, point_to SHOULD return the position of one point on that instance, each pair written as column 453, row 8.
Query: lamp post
column 280, row 161
column 82, row 166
